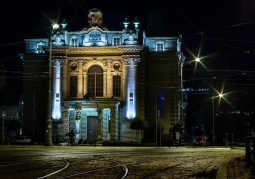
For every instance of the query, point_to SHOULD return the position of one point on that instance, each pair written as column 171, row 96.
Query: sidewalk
column 234, row 168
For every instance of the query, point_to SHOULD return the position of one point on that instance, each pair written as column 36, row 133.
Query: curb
column 223, row 168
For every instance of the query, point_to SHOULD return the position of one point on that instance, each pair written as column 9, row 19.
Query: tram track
column 118, row 166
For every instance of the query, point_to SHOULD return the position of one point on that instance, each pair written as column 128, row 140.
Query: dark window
column 95, row 80
column 73, row 86
column 116, row 85
column 74, row 42
column 116, row 41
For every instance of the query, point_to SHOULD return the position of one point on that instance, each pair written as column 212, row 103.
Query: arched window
column 95, row 80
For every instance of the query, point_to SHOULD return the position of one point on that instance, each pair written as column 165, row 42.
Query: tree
column 137, row 124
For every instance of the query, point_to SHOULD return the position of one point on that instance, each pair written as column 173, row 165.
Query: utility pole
column 3, row 115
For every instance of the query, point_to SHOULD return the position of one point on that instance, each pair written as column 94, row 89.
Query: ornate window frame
column 117, row 42
column 160, row 46
column 74, row 41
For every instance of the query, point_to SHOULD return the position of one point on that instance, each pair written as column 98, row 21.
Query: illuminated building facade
column 101, row 81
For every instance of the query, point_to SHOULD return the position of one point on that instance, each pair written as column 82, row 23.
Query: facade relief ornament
column 73, row 66
column 58, row 39
column 78, row 111
column 104, row 62
column 61, row 61
column 130, row 38
column 136, row 61
column 126, row 61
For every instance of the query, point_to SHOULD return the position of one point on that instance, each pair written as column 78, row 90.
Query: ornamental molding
column 102, row 49
column 130, row 48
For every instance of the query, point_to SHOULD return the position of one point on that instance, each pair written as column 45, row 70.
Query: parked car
column 199, row 140
column 24, row 139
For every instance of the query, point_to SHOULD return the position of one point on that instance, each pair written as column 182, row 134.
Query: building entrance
column 92, row 128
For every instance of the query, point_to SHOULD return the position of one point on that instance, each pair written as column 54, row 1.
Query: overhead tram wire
column 77, row 11
column 221, row 28
column 202, row 33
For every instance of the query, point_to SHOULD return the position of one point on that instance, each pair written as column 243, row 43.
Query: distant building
column 101, row 81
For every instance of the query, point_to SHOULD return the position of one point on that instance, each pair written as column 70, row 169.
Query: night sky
column 221, row 31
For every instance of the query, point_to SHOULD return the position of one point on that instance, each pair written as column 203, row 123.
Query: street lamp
column 220, row 96
column 48, row 139
column 197, row 59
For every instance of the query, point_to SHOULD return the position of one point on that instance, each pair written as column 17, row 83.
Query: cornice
column 98, row 49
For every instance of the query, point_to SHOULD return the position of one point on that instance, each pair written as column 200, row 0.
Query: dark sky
column 221, row 30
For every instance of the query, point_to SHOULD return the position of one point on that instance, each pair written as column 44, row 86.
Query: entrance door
column 92, row 128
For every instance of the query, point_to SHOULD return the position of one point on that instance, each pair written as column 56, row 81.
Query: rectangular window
column 73, row 86
column 91, row 84
column 159, row 47
column 116, row 41
column 99, row 85
column 116, row 85
column 74, row 42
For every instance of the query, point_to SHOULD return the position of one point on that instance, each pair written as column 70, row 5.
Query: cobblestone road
column 177, row 165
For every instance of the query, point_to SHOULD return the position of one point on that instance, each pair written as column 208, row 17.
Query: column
column 80, row 79
column 135, row 63
column 113, row 125
column 125, row 84
column 109, row 78
column 56, row 88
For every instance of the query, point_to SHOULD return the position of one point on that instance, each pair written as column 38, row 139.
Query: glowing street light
column 197, row 59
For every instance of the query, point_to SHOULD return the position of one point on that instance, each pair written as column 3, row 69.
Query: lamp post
column 48, row 138
column 181, row 62
column 213, row 118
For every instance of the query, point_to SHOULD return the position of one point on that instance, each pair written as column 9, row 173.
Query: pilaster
column 109, row 77
column 80, row 79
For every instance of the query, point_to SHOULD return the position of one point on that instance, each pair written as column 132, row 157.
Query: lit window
column 160, row 47
column 116, row 41
column 95, row 80
column 116, row 85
